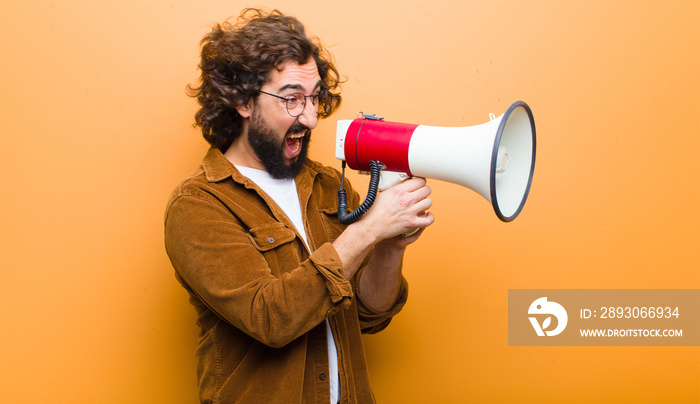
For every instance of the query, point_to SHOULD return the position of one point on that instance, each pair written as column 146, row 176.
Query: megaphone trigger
column 410, row 232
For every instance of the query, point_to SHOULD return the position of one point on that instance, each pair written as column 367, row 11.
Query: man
column 282, row 290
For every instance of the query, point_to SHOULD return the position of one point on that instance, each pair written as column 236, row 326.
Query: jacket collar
column 217, row 168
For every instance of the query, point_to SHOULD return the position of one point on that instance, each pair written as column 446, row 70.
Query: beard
column 270, row 150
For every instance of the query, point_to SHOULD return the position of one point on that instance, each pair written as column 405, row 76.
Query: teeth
column 297, row 136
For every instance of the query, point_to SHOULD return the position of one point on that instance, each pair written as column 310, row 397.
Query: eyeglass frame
column 293, row 97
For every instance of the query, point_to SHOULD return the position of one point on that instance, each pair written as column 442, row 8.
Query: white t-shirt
column 284, row 193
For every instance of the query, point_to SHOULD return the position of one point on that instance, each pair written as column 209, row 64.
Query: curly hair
column 235, row 63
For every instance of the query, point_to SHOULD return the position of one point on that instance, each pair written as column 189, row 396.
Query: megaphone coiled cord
column 349, row 218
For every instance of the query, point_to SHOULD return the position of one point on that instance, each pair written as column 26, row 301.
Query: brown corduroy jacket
column 261, row 297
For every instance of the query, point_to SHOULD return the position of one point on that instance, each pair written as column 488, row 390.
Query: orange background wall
column 95, row 130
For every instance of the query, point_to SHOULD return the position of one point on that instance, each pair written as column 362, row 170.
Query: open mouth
column 294, row 143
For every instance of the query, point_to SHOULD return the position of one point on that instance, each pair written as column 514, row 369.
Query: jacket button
column 322, row 376
column 271, row 240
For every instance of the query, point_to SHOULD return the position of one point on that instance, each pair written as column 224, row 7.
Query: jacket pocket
column 275, row 242
column 269, row 236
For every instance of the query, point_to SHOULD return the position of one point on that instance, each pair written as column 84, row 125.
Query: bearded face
column 282, row 157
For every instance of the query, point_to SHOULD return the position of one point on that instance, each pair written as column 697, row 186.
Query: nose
column 309, row 117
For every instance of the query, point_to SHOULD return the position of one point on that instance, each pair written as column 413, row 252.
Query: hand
column 399, row 209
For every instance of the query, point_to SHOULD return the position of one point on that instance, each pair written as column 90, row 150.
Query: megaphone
column 496, row 159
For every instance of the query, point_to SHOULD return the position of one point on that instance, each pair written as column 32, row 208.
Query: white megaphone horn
column 496, row 159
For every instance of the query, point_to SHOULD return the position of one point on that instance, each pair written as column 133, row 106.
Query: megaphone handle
column 388, row 179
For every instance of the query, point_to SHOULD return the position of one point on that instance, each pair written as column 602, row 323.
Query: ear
column 245, row 110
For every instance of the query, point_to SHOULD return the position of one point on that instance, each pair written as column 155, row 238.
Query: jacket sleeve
column 227, row 267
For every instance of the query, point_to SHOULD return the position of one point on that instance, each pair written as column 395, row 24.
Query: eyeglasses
column 296, row 102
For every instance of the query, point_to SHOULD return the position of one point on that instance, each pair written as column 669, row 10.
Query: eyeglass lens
column 297, row 102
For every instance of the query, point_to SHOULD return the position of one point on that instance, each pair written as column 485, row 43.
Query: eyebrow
column 298, row 87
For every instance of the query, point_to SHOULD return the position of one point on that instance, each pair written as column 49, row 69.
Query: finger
column 420, row 222
column 412, row 184
column 421, row 193
column 425, row 220
column 422, row 206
